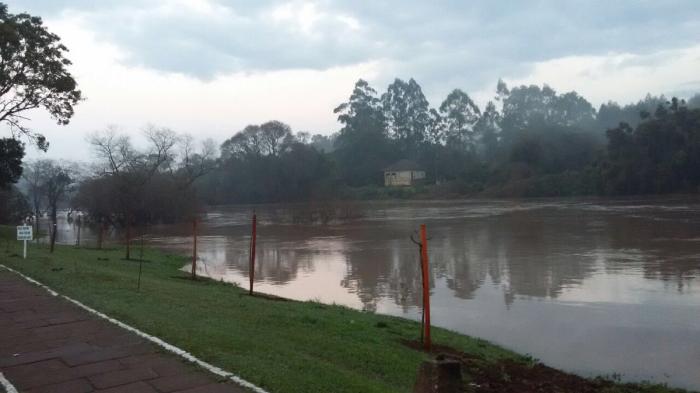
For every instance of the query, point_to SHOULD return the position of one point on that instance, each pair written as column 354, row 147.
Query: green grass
column 283, row 346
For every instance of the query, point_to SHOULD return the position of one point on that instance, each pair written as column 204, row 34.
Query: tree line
column 527, row 141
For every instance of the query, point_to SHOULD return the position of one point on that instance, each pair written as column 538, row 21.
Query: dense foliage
column 11, row 154
column 33, row 74
column 266, row 163
column 13, row 206
column 660, row 155
column 527, row 141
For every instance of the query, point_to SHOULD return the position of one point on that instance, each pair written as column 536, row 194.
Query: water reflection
column 591, row 286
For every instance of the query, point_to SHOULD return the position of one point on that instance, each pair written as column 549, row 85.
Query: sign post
column 24, row 233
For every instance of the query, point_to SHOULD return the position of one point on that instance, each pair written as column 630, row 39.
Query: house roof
column 403, row 165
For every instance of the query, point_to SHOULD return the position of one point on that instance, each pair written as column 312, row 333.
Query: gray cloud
column 459, row 43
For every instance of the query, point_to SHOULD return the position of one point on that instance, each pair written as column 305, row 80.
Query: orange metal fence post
column 426, row 285
column 194, row 249
column 422, row 314
column 252, row 253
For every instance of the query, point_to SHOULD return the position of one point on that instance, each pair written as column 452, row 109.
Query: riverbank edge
column 70, row 269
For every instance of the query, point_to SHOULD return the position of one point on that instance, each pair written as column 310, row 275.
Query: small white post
column 24, row 254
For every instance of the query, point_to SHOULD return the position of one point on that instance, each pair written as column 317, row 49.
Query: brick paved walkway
column 50, row 345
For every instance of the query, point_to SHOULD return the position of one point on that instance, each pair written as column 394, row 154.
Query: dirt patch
column 512, row 376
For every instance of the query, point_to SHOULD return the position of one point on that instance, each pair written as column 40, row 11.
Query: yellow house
column 403, row 173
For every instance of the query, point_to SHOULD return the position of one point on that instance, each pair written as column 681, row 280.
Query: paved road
column 50, row 345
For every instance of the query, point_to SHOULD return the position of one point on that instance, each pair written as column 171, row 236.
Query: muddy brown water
column 597, row 287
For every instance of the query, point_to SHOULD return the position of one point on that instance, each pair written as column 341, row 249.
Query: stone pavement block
column 108, row 338
column 136, row 387
column 12, row 333
column 179, row 382
column 74, row 386
column 35, row 356
column 17, row 305
column 40, row 373
column 121, row 377
column 100, row 354
column 90, row 369
column 31, row 376
column 69, row 329
column 163, row 366
column 13, row 347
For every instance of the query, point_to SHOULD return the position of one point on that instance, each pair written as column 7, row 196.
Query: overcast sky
column 210, row 67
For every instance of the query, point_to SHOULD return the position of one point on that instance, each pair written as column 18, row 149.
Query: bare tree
column 130, row 170
column 114, row 150
column 194, row 163
column 162, row 142
column 48, row 184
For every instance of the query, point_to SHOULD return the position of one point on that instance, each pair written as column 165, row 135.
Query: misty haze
column 322, row 196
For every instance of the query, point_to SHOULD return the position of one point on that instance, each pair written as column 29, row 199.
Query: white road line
column 7, row 385
column 168, row 347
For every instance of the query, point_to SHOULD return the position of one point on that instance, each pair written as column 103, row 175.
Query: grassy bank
column 284, row 346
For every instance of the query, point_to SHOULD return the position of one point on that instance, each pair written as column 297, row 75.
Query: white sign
column 24, row 232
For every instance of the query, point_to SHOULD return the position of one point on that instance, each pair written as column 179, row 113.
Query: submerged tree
column 126, row 172
column 144, row 185
column 33, row 174
column 56, row 184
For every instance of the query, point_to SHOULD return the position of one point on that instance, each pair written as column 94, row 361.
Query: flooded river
column 590, row 286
